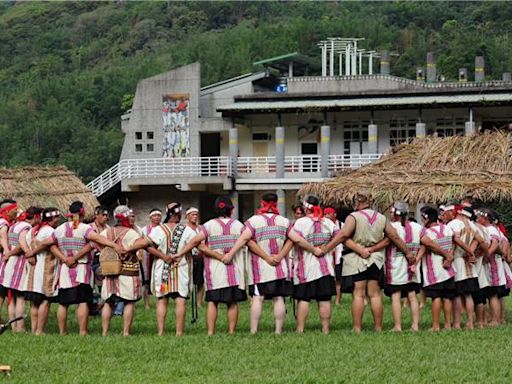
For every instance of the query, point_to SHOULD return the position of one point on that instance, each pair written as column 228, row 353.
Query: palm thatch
column 429, row 170
column 45, row 187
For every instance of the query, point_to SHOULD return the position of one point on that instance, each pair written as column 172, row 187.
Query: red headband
column 221, row 204
column 268, row 207
column 71, row 214
column 8, row 208
column 329, row 211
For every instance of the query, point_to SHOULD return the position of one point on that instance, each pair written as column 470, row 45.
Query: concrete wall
column 210, row 101
column 314, row 84
column 146, row 115
column 158, row 196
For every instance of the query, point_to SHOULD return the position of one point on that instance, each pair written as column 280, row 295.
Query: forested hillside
column 67, row 70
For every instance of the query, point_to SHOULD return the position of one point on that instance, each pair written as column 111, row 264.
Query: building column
column 373, row 137
column 234, row 200
column 281, row 202
column 280, row 152
column 233, row 150
column 420, row 130
column 325, row 148
column 469, row 126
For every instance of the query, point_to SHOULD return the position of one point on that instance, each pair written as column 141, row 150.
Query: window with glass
column 355, row 136
column 401, row 131
column 448, row 126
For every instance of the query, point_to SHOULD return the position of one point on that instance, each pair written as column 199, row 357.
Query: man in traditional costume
column 192, row 216
column 8, row 212
column 75, row 276
column 155, row 219
column 41, row 278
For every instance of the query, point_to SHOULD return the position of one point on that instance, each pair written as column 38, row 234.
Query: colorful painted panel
column 176, row 123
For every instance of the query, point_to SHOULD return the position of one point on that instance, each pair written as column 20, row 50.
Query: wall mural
column 176, row 123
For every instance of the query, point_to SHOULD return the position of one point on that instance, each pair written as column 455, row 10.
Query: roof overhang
column 389, row 102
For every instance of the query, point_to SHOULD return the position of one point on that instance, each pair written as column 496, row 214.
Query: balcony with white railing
column 195, row 170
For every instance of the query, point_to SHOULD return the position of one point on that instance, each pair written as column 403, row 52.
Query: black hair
column 223, row 206
column 313, row 200
column 269, row 197
column 100, row 209
column 298, row 206
column 76, row 207
column 47, row 210
column 169, row 212
column 7, row 202
column 431, row 214
column 33, row 211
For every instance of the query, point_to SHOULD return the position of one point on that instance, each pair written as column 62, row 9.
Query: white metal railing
column 339, row 163
column 222, row 166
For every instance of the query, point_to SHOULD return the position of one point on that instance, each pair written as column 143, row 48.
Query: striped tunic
column 432, row 263
column 42, row 277
column 483, row 278
column 397, row 267
column 494, row 269
column 269, row 231
column 3, row 223
column 13, row 273
column 466, row 232
column 122, row 286
column 146, row 256
column 306, row 266
column 180, row 277
column 70, row 241
column 221, row 235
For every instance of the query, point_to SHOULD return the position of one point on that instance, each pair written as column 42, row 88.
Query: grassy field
column 341, row 357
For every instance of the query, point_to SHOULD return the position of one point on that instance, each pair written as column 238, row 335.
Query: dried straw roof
column 45, row 187
column 429, row 170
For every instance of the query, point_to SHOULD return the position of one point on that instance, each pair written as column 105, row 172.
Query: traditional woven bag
column 110, row 261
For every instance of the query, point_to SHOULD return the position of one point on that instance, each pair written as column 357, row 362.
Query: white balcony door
column 308, row 149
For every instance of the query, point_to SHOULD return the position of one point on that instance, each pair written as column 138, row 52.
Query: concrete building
column 290, row 122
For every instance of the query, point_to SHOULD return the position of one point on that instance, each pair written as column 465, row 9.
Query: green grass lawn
column 341, row 357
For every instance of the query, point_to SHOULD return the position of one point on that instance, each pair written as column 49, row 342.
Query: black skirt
column 322, row 289
column 495, row 291
column 226, row 295
column 372, row 273
column 467, row 287
column 271, row 289
column 198, row 271
column 338, row 270
column 404, row 289
column 445, row 290
column 77, row 295
column 480, row 296
column 36, row 298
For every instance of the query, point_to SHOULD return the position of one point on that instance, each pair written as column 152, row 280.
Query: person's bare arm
column 458, row 241
column 421, row 252
column 206, row 251
column 244, row 238
column 159, row 254
column 84, row 251
column 304, row 244
column 193, row 243
column 41, row 246
column 97, row 238
column 434, row 247
column 345, row 233
column 4, row 244
column 287, row 247
column 25, row 247
column 258, row 251
column 377, row 247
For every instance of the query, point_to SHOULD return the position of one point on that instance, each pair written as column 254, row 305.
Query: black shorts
column 226, row 295
column 271, row 289
column 198, row 271
column 322, row 289
column 338, row 270
column 36, row 298
column 372, row 273
column 404, row 289
column 3, row 292
column 467, row 287
column 114, row 299
column 495, row 291
column 480, row 296
column 445, row 289
column 77, row 295
column 172, row 295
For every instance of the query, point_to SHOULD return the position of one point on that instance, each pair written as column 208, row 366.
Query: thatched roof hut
column 45, row 187
column 430, row 170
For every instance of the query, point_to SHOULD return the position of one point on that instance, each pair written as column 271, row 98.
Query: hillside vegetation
column 68, row 70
